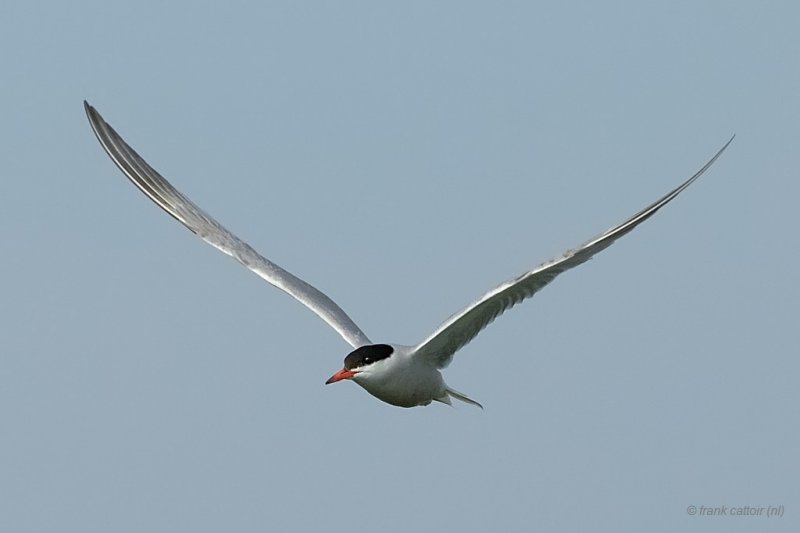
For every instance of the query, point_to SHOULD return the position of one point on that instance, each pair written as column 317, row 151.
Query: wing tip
column 90, row 111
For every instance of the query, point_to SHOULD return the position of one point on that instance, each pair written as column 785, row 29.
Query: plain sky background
column 404, row 158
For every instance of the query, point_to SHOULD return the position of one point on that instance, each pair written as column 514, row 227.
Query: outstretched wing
column 463, row 326
column 204, row 226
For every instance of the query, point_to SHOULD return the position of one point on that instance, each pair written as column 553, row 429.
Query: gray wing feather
column 463, row 326
column 158, row 189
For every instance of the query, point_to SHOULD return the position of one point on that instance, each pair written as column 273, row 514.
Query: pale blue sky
column 403, row 158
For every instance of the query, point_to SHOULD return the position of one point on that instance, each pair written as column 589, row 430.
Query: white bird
column 405, row 376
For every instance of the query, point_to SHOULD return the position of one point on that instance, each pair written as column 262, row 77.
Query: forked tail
column 462, row 397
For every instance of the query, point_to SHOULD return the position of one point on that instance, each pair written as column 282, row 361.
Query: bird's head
column 361, row 361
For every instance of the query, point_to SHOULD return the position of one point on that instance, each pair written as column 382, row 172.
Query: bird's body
column 402, row 379
column 405, row 376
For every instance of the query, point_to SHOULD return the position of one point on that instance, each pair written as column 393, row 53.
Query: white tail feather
column 462, row 397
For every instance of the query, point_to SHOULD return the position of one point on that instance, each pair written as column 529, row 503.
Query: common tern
column 405, row 376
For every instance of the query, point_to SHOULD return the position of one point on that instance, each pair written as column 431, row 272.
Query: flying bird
column 405, row 376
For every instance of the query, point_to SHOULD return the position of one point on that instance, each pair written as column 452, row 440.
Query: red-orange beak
column 340, row 375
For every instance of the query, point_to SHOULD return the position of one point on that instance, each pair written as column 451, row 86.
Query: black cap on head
column 366, row 355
